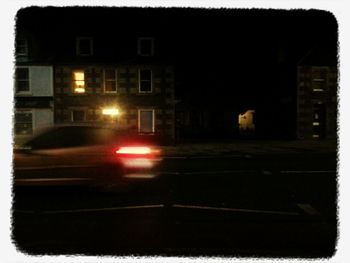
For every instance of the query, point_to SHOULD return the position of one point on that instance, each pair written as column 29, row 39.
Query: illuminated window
column 22, row 47
column 22, row 80
column 78, row 115
column 84, row 46
column 24, row 123
column 145, row 80
column 246, row 121
column 110, row 80
column 145, row 46
column 78, row 81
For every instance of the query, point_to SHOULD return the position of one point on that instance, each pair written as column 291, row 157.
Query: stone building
column 317, row 96
column 124, row 79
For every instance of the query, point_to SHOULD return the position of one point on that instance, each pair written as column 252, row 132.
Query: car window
column 72, row 137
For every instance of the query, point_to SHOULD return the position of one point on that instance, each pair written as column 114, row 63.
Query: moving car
column 85, row 155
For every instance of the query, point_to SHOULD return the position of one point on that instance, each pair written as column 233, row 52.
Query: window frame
column 140, row 80
column 105, row 80
column 27, row 80
column 139, row 46
column 74, row 81
column 25, row 111
column 78, row 46
column 72, row 115
column 139, row 119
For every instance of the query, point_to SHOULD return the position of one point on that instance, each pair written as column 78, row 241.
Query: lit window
column 246, row 121
column 145, row 80
column 22, row 80
column 22, row 47
column 110, row 80
column 23, row 123
column 78, row 115
column 78, row 81
column 145, row 46
column 84, row 46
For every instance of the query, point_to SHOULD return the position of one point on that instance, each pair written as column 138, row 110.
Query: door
column 146, row 121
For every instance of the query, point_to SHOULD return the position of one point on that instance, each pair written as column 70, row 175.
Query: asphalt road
column 238, row 205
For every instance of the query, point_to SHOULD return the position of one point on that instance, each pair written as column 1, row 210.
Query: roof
column 319, row 56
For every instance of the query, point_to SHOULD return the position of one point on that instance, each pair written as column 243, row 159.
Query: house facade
column 136, row 96
column 33, row 90
column 317, row 98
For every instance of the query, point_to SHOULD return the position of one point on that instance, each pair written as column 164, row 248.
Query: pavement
column 251, row 147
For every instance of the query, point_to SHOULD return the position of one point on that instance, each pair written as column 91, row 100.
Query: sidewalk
column 250, row 148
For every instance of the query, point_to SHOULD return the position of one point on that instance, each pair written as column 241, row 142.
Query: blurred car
column 84, row 155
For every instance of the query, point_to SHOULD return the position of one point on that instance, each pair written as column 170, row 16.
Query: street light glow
column 110, row 111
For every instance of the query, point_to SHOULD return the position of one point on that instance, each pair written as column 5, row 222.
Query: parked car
column 85, row 155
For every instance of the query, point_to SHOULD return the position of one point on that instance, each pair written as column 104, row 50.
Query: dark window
column 23, row 123
column 145, row 46
column 110, row 80
column 22, row 47
column 84, row 46
column 319, row 119
column 22, row 79
column 145, row 79
column 78, row 115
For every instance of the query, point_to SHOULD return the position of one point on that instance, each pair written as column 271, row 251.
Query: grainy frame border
column 10, row 7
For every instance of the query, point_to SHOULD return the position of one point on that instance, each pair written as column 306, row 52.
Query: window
column 319, row 118
column 319, row 80
column 24, row 123
column 110, row 80
column 145, row 46
column 146, row 121
column 78, row 81
column 22, row 80
column 145, row 80
column 78, row 115
column 84, row 46
column 22, row 47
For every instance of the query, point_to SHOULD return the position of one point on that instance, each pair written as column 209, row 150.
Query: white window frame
column 139, row 49
column 116, row 81
column 25, row 111
column 140, row 91
column 139, row 118
column 91, row 44
column 29, row 91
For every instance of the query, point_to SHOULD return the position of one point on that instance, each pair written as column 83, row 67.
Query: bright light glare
column 79, row 76
column 79, row 90
column 110, row 111
column 133, row 150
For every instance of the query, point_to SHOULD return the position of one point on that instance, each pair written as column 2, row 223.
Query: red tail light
column 137, row 150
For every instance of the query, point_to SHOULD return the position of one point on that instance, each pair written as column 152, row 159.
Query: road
column 238, row 205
